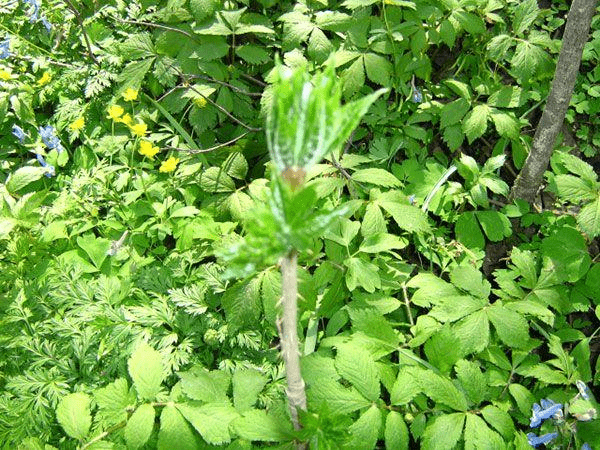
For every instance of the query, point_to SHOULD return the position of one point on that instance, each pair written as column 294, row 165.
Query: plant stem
column 289, row 336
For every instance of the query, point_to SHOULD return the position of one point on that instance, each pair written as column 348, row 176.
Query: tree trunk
column 576, row 34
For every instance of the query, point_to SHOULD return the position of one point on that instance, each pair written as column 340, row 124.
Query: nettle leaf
column 258, row 425
column 475, row 122
column 139, row 426
column 355, row 364
column 525, row 14
column 73, row 414
column 146, row 370
column 452, row 113
column 211, row 420
column 379, row 177
column 396, row 432
column 365, row 430
column 247, row 384
column 512, row 328
column 443, row 432
column 174, row 428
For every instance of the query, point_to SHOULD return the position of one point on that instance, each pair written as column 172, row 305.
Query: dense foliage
column 139, row 285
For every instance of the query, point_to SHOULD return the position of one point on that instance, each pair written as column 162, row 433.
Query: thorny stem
column 289, row 337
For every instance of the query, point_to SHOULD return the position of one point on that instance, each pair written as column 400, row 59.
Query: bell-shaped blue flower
column 547, row 409
column 19, row 133
column 5, row 48
column 535, row 440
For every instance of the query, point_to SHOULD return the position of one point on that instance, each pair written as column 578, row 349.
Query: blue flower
column 5, row 48
column 50, row 139
column 417, row 96
column 49, row 169
column 19, row 133
column 534, row 440
column 586, row 446
column 547, row 409
column 36, row 9
column 47, row 24
column 583, row 389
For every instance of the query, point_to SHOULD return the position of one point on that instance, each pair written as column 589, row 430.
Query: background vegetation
column 433, row 313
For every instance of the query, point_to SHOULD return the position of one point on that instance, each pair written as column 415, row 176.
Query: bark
column 289, row 337
column 576, row 34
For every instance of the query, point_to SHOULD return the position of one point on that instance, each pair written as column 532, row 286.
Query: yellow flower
column 45, row 79
column 115, row 111
column 126, row 119
column 4, row 75
column 130, row 95
column 169, row 165
column 139, row 129
column 147, row 149
column 77, row 124
column 200, row 102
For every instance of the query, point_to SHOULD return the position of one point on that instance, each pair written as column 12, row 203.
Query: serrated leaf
column 447, row 33
column 133, row 74
column 200, row 384
column 139, row 426
column 512, row 328
column 211, row 420
column 242, row 303
column 589, row 218
column 495, row 225
column 408, row 217
column 473, row 332
column 443, row 432
column 499, row 419
column 215, row 179
column 478, row 435
column 356, row 365
column 507, row 97
column 499, row 45
column 146, row 370
column 468, row 231
column 137, row 46
column 441, row 389
column 506, row 124
column 475, row 122
column 362, row 273
column 253, row 54
column 73, row 414
column 96, row 248
column 353, row 78
column 523, row 398
column 339, row 399
column 379, row 177
column 459, row 88
column 472, row 380
column 113, row 401
column 381, row 242
column 453, row 136
column 468, row 21
column 365, row 431
column 247, row 384
column 443, row 349
column 396, row 432
column 525, row 14
column 258, row 425
column 240, row 205
column 406, row 386
column 24, row 176
column 174, row 428
column 319, row 47
column 204, row 9
column 527, row 59
column 452, row 113
column 378, row 68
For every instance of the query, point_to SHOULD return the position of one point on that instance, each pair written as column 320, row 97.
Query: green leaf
column 468, row 21
column 527, row 59
column 24, row 176
column 573, row 189
column 379, row 177
column 499, row 419
column 258, row 425
column 381, row 242
column 566, row 251
column 137, row 46
column 200, row 384
column 589, row 218
column 506, row 124
column 215, row 180
column 319, row 46
column 443, row 349
column 511, row 327
column 579, row 167
column 525, row 14
column 361, row 273
column 495, row 225
column 378, row 68
column 447, row 33
column 472, row 380
column 95, row 247
column 442, row 390
column 473, row 332
column 204, row 9
column 365, row 430
column 139, row 426
column 146, row 370
column 353, row 77
column 373, row 221
column 478, row 435
column 73, row 414
column 133, row 74
column 253, row 54
column 242, row 305
column 247, row 384
column 459, row 88
column 408, row 217
column 356, row 365
column 469, row 279
column 475, row 122
column 523, row 397
column 499, row 45
column 211, row 420
column 236, row 166
column 507, row 97
column 452, row 113
column 113, row 401
column 396, row 432
column 174, row 428
column 443, row 432
column 339, row 399
column 406, row 387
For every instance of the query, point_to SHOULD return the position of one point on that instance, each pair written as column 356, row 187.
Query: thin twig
column 85, row 36
column 210, row 149
column 254, row 80
column 407, row 304
column 223, row 83
column 156, row 25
